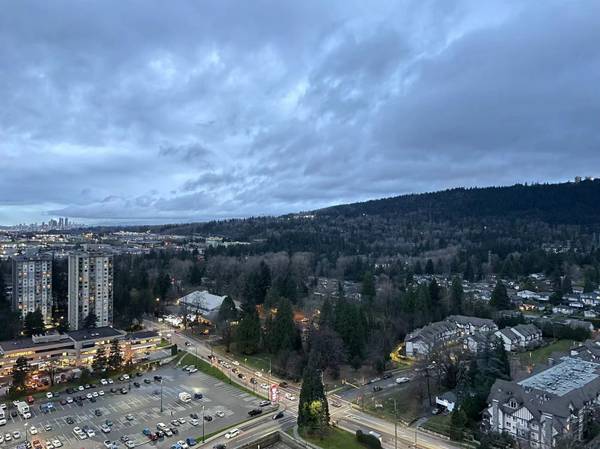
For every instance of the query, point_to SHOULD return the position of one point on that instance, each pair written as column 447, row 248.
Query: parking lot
column 144, row 403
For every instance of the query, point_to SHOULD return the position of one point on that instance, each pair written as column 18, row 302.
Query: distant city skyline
column 125, row 112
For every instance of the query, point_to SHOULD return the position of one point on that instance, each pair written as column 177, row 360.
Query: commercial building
column 90, row 288
column 32, row 285
column 543, row 408
column 75, row 349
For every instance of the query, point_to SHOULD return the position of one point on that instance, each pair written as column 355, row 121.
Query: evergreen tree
column 247, row 334
column 162, row 285
column 34, row 323
column 500, row 299
column 100, row 361
column 228, row 311
column 326, row 318
column 20, row 373
column 195, row 274
column 456, row 296
column 115, row 358
column 284, row 329
column 90, row 321
column 368, row 287
column 566, row 286
column 429, row 269
column 313, row 410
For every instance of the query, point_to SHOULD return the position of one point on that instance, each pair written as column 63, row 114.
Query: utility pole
column 428, row 390
column 395, row 425
column 161, row 395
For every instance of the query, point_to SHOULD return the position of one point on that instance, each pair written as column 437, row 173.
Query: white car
column 108, row 444
column 125, row 376
column 264, row 386
column 168, row 432
column 3, row 406
column 89, row 396
column 104, row 381
column 194, row 422
column 183, row 444
column 130, row 444
column 290, row 397
column 236, row 363
column 95, row 394
column 220, row 413
column 49, row 395
column 56, row 443
column 33, row 430
column 2, row 422
column 104, row 428
column 101, row 393
column 193, row 370
column 232, row 433
column 1, row 438
column 8, row 437
column 258, row 374
column 69, row 400
column 49, row 445
column 110, row 381
column 90, row 433
column 181, row 420
column 402, row 380
column 26, row 415
column 81, row 388
column 16, row 434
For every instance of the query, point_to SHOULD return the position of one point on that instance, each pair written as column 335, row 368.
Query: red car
column 29, row 399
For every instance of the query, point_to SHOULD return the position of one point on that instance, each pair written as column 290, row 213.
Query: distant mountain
column 566, row 203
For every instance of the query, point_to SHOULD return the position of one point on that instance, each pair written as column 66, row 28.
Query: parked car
column 255, row 412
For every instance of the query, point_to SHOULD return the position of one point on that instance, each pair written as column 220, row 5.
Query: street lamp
column 203, row 420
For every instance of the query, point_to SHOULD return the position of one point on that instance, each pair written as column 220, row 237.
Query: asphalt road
column 346, row 416
column 144, row 404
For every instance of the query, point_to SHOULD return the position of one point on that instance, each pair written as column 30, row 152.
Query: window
column 512, row 403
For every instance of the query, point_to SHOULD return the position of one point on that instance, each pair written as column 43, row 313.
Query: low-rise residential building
column 520, row 337
column 450, row 331
column 545, row 407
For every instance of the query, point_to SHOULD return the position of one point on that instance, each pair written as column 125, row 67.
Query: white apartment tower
column 90, row 288
column 32, row 285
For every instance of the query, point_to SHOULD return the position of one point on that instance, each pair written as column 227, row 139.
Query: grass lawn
column 259, row 361
column 207, row 368
column 438, row 423
column 540, row 355
column 334, row 439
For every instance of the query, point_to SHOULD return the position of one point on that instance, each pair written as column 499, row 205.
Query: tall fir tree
column 247, row 333
column 115, row 358
column 100, row 360
column 500, row 299
column 456, row 296
column 20, row 373
column 313, row 410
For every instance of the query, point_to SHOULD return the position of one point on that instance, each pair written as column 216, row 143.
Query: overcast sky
column 163, row 111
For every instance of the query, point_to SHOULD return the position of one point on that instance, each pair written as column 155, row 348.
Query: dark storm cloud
column 153, row 111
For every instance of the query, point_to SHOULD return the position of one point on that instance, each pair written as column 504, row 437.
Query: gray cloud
column 144, row 110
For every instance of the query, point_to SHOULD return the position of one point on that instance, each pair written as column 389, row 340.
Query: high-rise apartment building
column 32, row 284
column 90, row 288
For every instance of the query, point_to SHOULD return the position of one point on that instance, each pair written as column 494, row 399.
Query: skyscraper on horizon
column 90, row 288
column 32, row 285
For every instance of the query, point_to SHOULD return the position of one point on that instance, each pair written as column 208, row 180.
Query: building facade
column 74, row 349
column 32, row 285
column 90, row 288
column 542, row 409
